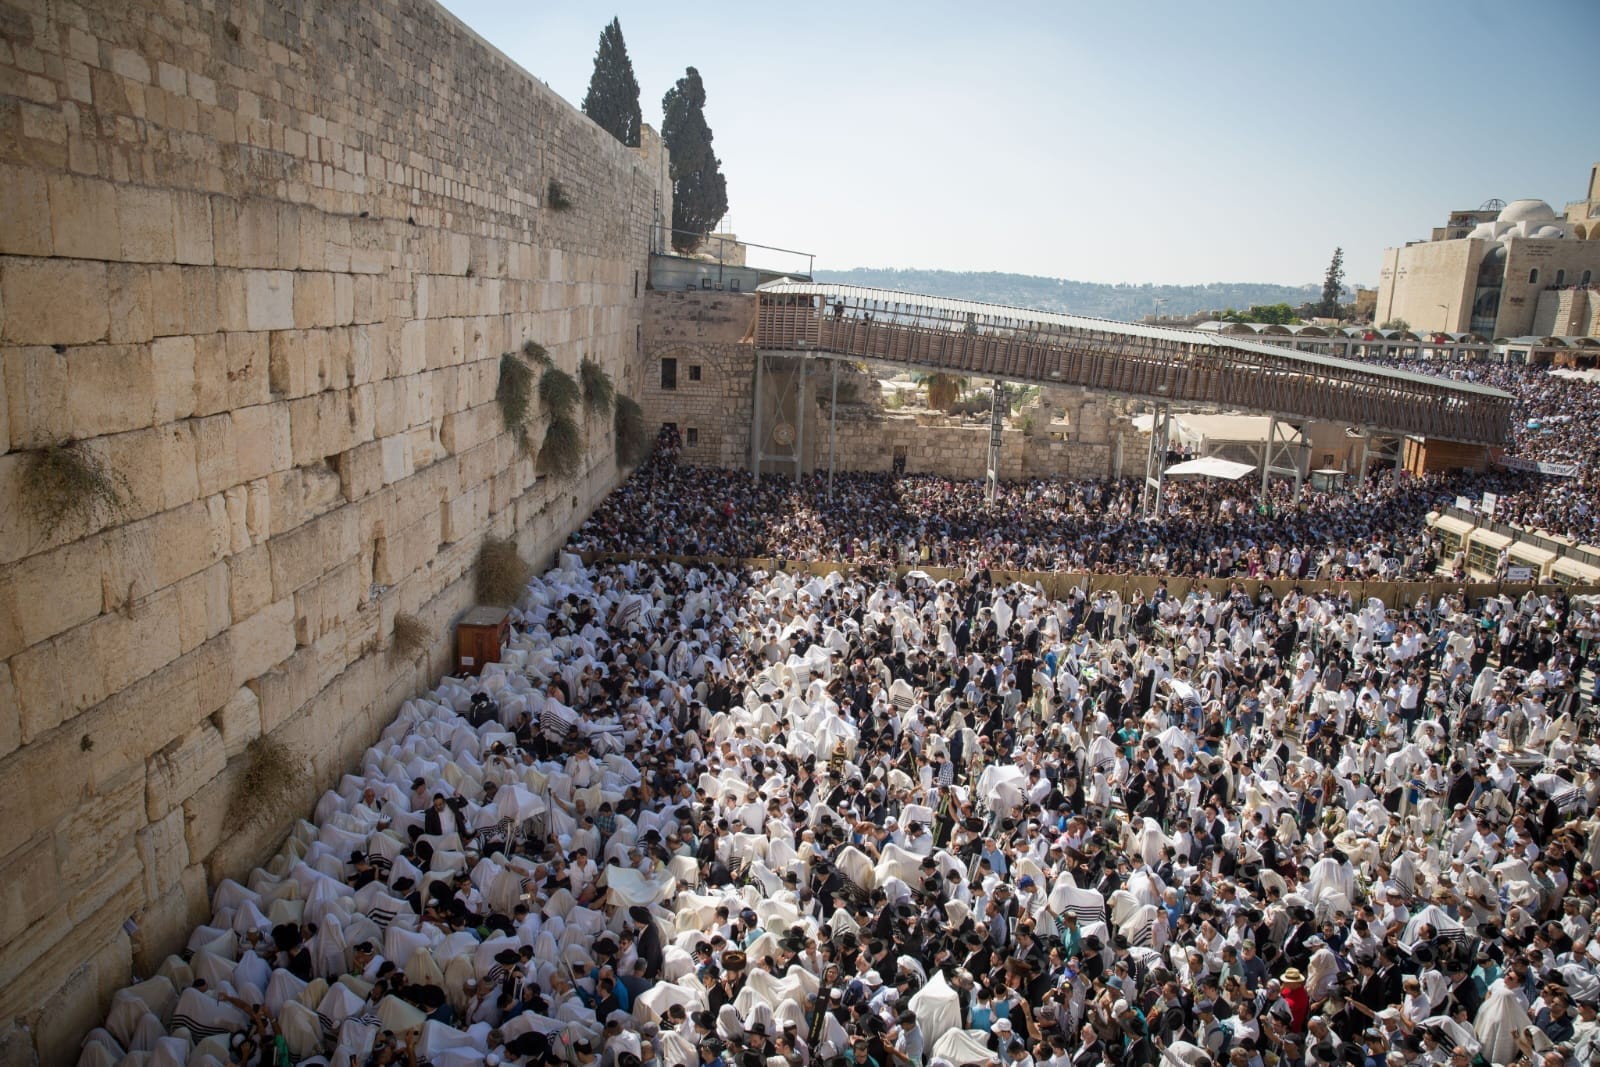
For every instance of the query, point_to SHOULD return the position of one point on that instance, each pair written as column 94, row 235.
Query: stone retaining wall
column 261, row 258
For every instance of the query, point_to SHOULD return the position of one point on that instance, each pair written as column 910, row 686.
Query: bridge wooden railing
column 1152, row 364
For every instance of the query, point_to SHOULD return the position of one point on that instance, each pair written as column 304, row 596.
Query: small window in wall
column 734, row 284
column 669, row 374
column 692, row 438
column 1586, row 276
column 1533, row 276
column 1561, row 278
column 694, row 372
column 636, row 283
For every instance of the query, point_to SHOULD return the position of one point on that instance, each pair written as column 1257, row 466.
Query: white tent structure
column 1210, row 467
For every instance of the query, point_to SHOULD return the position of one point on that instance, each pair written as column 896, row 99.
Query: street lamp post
column 1446, row 309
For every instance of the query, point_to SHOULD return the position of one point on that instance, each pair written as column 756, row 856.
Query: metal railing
column 661, row 244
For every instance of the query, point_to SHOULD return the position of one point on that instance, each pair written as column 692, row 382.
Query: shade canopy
column 1210, row 467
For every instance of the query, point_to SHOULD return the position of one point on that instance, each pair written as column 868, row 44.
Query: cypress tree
column 700, row 193
column 613, row 97
column 1333, row 286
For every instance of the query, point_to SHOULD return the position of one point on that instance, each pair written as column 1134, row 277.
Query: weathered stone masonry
column 262, row 256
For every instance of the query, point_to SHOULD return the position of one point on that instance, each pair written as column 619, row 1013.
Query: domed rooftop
column 1527, row 210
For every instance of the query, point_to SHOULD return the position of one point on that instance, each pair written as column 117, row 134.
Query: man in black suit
column 649, row 943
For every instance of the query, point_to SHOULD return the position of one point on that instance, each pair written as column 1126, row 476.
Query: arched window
column 1533, row 276
column 1561, row 278
column 1586, row 276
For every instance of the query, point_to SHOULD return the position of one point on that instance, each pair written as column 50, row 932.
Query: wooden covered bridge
column 1163, row 366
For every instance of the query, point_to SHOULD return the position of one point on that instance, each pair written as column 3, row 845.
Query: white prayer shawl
column 938, row 1009
column 963, row 1047
column 1499, row 1021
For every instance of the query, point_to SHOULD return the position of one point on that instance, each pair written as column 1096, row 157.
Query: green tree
column 1277, row 314
column 944, row 390
column 613, row 97
column 699, row 191
column 1332, row 286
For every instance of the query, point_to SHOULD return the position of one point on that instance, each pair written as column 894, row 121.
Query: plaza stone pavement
column 703, row 817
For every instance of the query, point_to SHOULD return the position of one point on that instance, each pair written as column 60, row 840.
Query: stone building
column 1491, row 279
column 260, row 260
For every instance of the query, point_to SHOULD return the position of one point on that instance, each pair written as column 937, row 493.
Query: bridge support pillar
column 1381, row 447
column 757, row 399
column 1284, row 454
column 1155, row 461
column 833, row 415
column 997, row 424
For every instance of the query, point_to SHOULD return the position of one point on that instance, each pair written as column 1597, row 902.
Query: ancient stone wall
column 260, row 257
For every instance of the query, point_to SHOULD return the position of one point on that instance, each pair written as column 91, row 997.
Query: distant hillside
column 1126, row 302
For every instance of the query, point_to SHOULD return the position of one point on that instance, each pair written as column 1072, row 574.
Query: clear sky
column 1147, row 141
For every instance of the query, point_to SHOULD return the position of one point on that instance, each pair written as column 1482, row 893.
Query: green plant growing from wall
column 65, row 486
column 514, row 394
column 502, row 573
column 598, row 392
column 535, row 353
column 633, row 443
column 562, row 449
column 411, row 636
column 558, row 392
column 555, row 195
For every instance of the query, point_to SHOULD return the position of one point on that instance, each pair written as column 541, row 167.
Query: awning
column 1451, row 524
column 1210, row 467
column 1584, row 573
column 1494, row 540
column 1523, row 552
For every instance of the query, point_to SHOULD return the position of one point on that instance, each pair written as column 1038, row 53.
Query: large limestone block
column 262, row 641
column 72, row 990
column 322, row 606
column 249, row 581
column 83, row 218
column 361, row 471
column 302, row 555
column 30, row 888
column 261, row 436
column 10, row 715
column 112, row 389
column 163, row 853
column 216, row 452
column 203, row 610
column 48, row 593
column 193, row 232
column 147, row 224
column 36, row 396
column 180, row 768
column 301, row 494
column 239, row 721
column 396, row 458
column 172, row 366
column 54, row 301
column 314, row 299
column 269, row 300
column 24, row 213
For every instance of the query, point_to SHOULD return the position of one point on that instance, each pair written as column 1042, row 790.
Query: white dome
column 1484, row 231
column 1527, row 210
column 1550, row 231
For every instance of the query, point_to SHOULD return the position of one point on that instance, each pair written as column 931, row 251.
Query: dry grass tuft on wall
column 562, row 450
column 65, row 486
column 271, row 776
column 412, row 636
column 503, row 574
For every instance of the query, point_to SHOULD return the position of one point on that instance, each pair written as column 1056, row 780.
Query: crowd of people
column 1206, row 529
column 713, row 818
column 1554, row 424
column 708, row 817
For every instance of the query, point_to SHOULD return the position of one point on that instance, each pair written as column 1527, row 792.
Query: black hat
column 639, row 914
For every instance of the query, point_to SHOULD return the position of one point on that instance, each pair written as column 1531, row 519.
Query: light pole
column 1446, row 309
